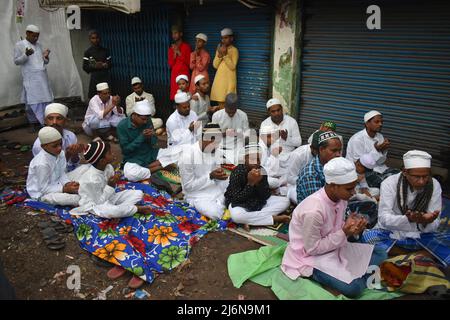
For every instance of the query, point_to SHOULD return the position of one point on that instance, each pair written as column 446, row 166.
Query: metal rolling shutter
column 402, row 70
column 253, row 38
column 138, row 45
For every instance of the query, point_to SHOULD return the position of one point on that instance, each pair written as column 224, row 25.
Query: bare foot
column 144, row 209
column 281, row 219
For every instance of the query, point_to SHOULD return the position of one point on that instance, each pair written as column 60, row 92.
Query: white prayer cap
column 226, row 32
column 56, row 108
column 182, row 97
column 48, row 134
column 198, row 78
column 272, row 102
column 135, row 80
column 369, row 115
column 33, row 28
column 340, row 171
column 266, row 130
column 102, row 86
column 416, row 159
column 368, row 161
column 143, row 108
column 182, row 76
column 202, row 36
column 252, row 148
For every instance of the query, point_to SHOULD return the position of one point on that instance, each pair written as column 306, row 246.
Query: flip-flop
column 135, row 282
column 49, row 233
column 56, row 244
column 116, row 272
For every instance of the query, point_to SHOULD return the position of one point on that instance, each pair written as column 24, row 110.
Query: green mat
column 262, row 266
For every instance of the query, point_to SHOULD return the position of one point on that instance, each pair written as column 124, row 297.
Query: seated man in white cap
column 200, row 102
column 138, row 143
column 47, row 180
column 202, row 178
column 56, row 116
column 270, row 159
column 409, row 210
column 234, row 124
column 318, row 247
column 370, row 140
column 248, row 195
column 200, row 61
column 288, row 135
column 139, row 95
column 225, row 61
column 181, row 127
column 36, row 93
column 103, row 114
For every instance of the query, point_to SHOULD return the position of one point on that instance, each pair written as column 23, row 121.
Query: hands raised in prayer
column 422, row 217
column 354, row 225
column 254, row 177
column 218, row 174
column 383, row 146
column 71, row 187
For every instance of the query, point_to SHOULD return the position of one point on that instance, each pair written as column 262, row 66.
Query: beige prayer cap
column 102, row 86
column 182, row 97
column 226, row 32
column 416, row 159
column 369, row 115
column 272, row 102
column 143, row 108
column 340, row 171
column 135, row 80
column 33, row 28
column 182, row 76
column 56, row 108
column 198, row 78
column 48, row 135
column 202, row 36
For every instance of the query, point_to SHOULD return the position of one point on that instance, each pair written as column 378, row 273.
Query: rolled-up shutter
column 253, row 38
column 402, row 70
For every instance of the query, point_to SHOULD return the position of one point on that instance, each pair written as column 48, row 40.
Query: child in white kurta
column 97, row 194
column 47, row 180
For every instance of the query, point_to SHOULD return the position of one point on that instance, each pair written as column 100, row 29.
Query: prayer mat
column 168, row 180
column 262, row 266
column 143, row 244
column 436, row 243
column 412, row 273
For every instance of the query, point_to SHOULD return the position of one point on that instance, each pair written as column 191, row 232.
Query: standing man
column 370, row 140
column 200, row 60
column 96, row 62
column 36, row 93
column 225, row 62
column 178, row 58
column 140, row 95
column 103, row 114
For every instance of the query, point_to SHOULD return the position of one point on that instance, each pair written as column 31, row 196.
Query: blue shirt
column 310, row 180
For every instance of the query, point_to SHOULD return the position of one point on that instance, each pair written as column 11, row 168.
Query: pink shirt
column 316, row 241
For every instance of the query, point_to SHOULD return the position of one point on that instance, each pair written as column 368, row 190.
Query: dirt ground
column 39, row 273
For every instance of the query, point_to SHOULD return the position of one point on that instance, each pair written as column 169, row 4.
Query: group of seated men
column 272, row 169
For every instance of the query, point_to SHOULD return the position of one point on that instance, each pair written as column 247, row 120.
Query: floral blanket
column 142, row 244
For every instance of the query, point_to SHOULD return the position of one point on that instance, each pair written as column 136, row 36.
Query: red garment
column 179, row 65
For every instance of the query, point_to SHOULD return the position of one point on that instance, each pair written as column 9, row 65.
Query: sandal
column 135, row 282
column 56, row 243
column 116, row 272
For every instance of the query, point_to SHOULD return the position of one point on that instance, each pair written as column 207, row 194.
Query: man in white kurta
column 140, row 95
column 36, row 93
column 370, row 140
column 96, row 195
column 234, row 124
column 47, row 180
column 182, row 127
column 289, row 136
column 409, row 210
column 56, row 116
column 318, row 245
column 203, row 180
column 276, row 175
column 103, row 113
column 200, row 102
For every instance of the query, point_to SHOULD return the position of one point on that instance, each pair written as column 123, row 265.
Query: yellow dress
column 226, row 79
